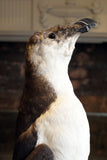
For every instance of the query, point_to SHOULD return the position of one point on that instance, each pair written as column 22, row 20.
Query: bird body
column 65, row 123
column 66, row 131
column 52, row 123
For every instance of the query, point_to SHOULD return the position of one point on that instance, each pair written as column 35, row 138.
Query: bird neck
column 38, row 93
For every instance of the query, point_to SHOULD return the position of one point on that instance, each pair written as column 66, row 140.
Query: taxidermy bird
column 52, row 123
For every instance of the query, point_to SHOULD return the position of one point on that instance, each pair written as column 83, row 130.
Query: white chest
column 64, row 128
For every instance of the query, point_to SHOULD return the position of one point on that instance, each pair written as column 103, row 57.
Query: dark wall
column 11, row 74
column 88, row 73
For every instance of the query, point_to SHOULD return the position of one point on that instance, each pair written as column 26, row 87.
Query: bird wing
column 25, row 143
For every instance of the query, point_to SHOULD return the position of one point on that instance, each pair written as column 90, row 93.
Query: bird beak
column 84, row 25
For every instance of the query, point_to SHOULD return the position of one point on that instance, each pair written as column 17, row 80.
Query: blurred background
column 19, row 19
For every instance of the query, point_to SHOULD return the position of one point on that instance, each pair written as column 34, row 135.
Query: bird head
column 56, row 43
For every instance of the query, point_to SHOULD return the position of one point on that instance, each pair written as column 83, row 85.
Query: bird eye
column 52, row 36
